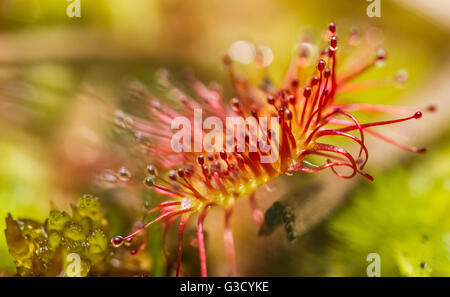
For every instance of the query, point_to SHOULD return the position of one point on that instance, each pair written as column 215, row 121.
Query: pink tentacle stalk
column 118, row 240
column 183, row 221
column 306, row 107
column 257, row 213
column 417, row 115
column 409, row 148
column 167, row 224
column 412, row 149
column 229, row 243
column 201, row 241
column 400, row 111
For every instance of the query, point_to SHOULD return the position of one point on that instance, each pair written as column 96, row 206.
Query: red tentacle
column 417, row 115
column 163, row 216
column 339, row 133
column 183, row 221
column 397, row 144
column 257, row 213
column 229, row 243
column 201, row 241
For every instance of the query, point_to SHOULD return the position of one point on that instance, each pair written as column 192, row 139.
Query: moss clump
column 74, row 245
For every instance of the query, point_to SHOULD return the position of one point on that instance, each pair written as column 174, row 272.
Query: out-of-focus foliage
column 45, row 249
column 20, row 189
column 403, row 217
column 17, row 14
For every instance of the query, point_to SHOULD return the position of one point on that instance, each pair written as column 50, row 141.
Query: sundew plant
column 308, row 115
column 264, row 138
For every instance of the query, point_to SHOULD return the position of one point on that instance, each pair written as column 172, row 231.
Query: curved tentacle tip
column 368, row 176
column 117, row 241
column 422, row 150
column 418, row 115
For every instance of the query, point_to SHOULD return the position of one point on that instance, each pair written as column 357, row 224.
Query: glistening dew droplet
column 117, row 241
column 186, row 203
column 152, row 171
column 124, row 174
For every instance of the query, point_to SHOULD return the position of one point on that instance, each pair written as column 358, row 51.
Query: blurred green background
column 53, row 137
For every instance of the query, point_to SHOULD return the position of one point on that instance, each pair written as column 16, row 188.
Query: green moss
column 50, row 248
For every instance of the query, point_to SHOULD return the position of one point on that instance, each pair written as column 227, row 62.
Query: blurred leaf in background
column 23, row 182
column 403, row 217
